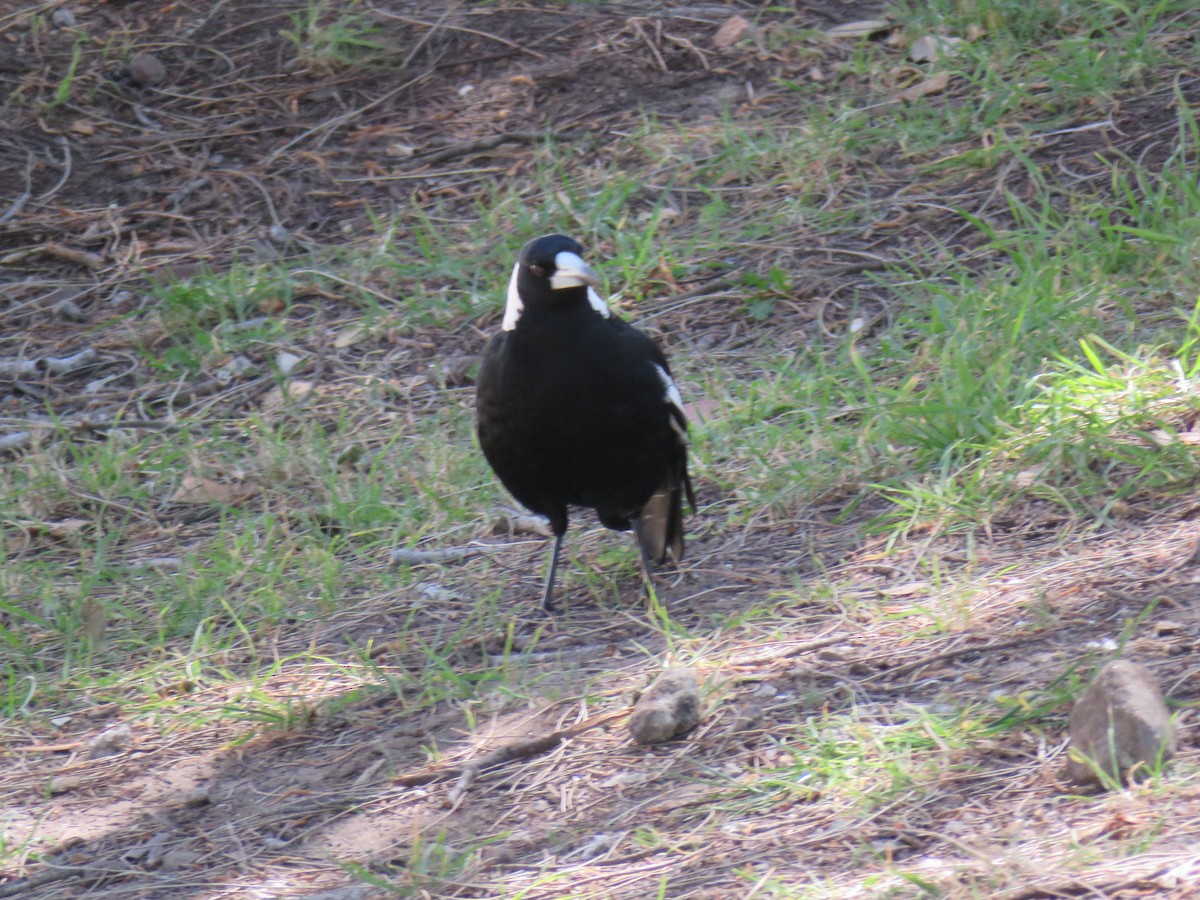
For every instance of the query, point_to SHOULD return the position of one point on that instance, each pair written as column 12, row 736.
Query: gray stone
column 147, row 70
column 670, row 707
column 1120, row 726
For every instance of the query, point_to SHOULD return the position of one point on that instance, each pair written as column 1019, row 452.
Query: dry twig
column 402, row 556
column 52, row 365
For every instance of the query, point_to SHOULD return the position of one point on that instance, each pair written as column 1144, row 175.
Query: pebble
column 670, row 707
column 1120, row 727
column 147, row 70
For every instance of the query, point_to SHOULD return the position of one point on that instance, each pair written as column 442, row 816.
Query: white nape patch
column 597, row 302
column 513, row 307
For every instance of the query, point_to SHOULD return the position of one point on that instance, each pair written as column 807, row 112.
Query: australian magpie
column 575, row 407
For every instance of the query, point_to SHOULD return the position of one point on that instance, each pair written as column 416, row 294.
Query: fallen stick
column 466, row 774
column 71, row 255
column 522, row 750
column 404, row 557
column 15, row 441
column 60, row 365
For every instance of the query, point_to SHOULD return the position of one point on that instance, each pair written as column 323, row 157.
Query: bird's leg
column 548, row 594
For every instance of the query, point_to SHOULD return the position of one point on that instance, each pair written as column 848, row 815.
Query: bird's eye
column 537, row 271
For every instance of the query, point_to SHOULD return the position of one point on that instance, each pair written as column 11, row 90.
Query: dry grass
column 889, row 632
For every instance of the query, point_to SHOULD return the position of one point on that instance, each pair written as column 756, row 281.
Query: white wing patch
column 678, row 418
column 601, row 307
column 513, row 307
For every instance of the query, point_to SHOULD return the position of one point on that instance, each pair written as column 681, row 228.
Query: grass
column 329, row 37
column 977, row 379
column 876, row 447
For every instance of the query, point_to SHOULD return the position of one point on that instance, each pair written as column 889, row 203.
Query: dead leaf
column 1164, row 438
column 349, row 336
column 84, row 127
column 274, row 399
column 663, row 273
column 271, row 305
column 935, row 84
column 905, row 590
column 859, row 29
column 1027, row 478
column 929, row 47
column 94, row 621
column 730, row 32
column 67, row 528
column 196, row 490
column 405, row 386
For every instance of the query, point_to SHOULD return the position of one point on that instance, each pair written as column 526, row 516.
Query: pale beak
column 571, row 271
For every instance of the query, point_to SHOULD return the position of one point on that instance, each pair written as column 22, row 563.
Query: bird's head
column 549, row 268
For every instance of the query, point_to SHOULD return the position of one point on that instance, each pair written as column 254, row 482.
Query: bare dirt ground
column 239, row 152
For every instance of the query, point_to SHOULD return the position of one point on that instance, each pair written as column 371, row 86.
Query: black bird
column 576, row 407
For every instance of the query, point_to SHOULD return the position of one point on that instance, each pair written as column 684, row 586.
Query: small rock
column 1119, row 727
column 750, row 716
column 63, row 784
column 495, row 855
column 669, row 708
column 154, row 850
column 179, row 858
column 438, row 593
column 69, row 311
column 286, row 361
column 63, row 18
column 455, row 371
column 197, row 797
column 110, row 741
column 147, row 70
column 235, row 368
column 597, row 844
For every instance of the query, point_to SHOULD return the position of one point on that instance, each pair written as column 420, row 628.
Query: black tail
column 660, row 525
